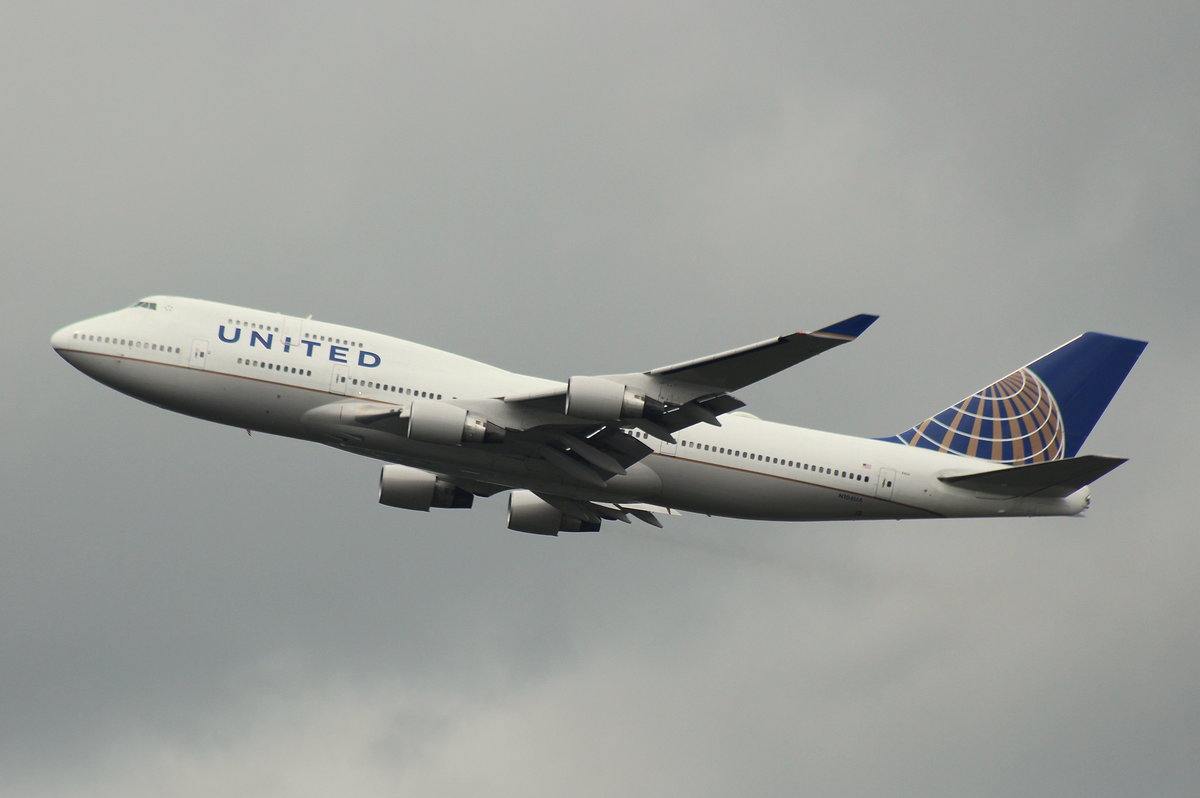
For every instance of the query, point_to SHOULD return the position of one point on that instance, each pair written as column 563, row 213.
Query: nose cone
column 61, row 340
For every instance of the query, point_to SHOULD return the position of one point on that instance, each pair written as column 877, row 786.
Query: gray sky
column 559, row 190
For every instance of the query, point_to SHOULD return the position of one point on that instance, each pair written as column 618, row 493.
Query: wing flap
column 1054, row 479
column 597, row 511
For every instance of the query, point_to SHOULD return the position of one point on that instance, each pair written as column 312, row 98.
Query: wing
column 582, row 428
column 737, row 368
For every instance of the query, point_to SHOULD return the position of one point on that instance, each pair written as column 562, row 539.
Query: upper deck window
column 147, row 305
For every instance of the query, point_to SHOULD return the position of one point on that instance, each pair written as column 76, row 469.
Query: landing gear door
column 199, row 356
column 337, row 383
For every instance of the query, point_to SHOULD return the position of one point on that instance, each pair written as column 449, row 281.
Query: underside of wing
column 542, row 513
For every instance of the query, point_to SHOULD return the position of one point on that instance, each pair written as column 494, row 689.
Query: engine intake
column 432, row 421
column 528, row 513
column 414, row 489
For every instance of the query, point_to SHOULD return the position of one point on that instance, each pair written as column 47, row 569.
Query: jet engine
column 528, row 513
column 414, row 489
column 432, row 421
column 605, row 400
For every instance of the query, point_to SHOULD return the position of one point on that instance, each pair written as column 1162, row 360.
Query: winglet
column 848, row 329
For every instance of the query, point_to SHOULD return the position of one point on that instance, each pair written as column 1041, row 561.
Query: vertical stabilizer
column 1039, row 413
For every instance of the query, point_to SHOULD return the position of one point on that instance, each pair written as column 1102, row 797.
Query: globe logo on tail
column 1014, row 420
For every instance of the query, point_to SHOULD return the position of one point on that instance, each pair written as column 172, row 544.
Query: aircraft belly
column 740, row 493
column 212, row 396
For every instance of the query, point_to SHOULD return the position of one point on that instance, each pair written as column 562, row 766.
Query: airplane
column 616, row 447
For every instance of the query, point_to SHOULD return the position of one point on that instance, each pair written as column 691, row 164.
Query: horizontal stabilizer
column 1054, row 479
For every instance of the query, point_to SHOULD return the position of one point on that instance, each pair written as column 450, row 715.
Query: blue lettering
column 337, row 354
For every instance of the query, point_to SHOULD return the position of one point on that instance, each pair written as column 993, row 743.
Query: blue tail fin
column 1041, row 412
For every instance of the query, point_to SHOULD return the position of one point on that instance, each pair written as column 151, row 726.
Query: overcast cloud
column 558, row 190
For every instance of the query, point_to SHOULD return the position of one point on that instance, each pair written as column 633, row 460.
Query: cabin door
column 337, row 383
column 199, row 356
column 885, row 480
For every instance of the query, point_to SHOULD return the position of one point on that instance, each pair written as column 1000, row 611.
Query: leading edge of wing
column 737, row 368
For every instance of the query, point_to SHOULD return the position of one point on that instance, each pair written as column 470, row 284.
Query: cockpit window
column 147, row 305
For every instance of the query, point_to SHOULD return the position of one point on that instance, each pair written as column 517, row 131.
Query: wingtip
column 849, row 328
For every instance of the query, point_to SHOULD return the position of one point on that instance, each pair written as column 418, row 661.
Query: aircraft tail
column 1038, row 413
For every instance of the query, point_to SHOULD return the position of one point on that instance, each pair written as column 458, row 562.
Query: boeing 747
column 614, row 447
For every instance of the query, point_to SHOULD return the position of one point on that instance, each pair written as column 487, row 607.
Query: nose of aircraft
column 61, row 339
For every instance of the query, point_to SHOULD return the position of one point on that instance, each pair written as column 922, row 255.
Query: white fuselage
column 293, row 376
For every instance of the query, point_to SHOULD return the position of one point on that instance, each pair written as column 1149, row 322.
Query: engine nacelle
column 528, row 513
column 414, row 489
column 603, row 400
column 432, row 421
